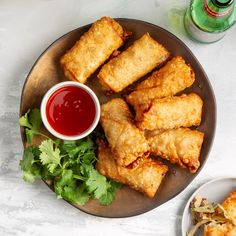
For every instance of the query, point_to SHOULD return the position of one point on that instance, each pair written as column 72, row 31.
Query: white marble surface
column 27, row 27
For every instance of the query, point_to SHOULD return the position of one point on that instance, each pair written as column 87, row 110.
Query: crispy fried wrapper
column 133, row 63
column 146, row 175
column 220, row 230
column 180, row 146
column 170, row 112
column 172, row 78
column 92, row 49
column 127, row 142
column 227, row 229
column 230, row 206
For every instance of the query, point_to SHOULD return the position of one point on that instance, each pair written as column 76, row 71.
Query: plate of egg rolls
column 158, row 111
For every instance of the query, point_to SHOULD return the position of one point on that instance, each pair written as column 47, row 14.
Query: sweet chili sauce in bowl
column 70, row 110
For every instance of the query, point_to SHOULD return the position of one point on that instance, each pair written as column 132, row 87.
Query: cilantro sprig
column 68, row 164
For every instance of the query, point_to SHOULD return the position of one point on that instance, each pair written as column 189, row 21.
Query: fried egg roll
column 172, row 78
column 170, row 112
column 146, row 176
column 136, row 61
column 230, row 206
column 179, row 146
column 227, row 229
column 92, row 49
column 126, row 141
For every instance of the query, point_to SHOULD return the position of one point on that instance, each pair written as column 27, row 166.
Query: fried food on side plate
column 133, row 63
column 180, row 146
column 230, row 206
column 127, row 142
column 172, row 78
column 92, row 49
column 170, row 112
column 220, row 230
column 146, row 175
column 227, row 229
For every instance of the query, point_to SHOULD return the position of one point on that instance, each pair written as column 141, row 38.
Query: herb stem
column 44, row 135
column 79, row 177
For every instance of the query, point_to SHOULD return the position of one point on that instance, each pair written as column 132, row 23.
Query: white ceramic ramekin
column 44, row 104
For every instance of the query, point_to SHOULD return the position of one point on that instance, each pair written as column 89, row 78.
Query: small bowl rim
column 44, row 116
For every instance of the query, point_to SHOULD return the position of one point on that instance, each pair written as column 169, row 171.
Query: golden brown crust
column 92, row 49
column 179, row 146
column 126, row 140
column 136, row 61
column 230, row 206
column 145, row 177
column 220, row 230
column 170, row 112
column 172, row 78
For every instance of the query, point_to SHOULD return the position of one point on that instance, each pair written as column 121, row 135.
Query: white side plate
column 214, row 191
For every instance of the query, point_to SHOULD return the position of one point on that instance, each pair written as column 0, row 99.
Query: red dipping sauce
column 70, row 110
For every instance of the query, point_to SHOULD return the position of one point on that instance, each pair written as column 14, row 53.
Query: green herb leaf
column 31, row 170
column 32, row 121
column 49, row 156
column 58, row 142
column 78, row 195
column 46, row 175
column 24, row 120
column 78, row 152
column 29, row 135
column 85, row 169
column 28, row 159
column 29, row 177
column 89, row 157
column 109, row 196
column 66, row 179
column 83, row 195
column 115, row 185
column 96, row 184
column 35, row 119
column 85, row 144
column 66, row 187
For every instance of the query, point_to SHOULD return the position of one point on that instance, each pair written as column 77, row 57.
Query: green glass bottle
column 208, row 20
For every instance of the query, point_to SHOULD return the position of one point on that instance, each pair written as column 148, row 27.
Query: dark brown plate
column 46, row 72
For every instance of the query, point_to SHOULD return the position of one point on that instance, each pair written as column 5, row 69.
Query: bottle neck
column 218, row 8
column 223, row 3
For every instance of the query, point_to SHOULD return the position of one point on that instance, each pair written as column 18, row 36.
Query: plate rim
column 194, row 194
column 202, row 71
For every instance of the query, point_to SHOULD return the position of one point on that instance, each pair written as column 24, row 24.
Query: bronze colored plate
column 46, row 72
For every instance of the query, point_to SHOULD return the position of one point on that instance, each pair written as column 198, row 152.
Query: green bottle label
column 214, row 11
